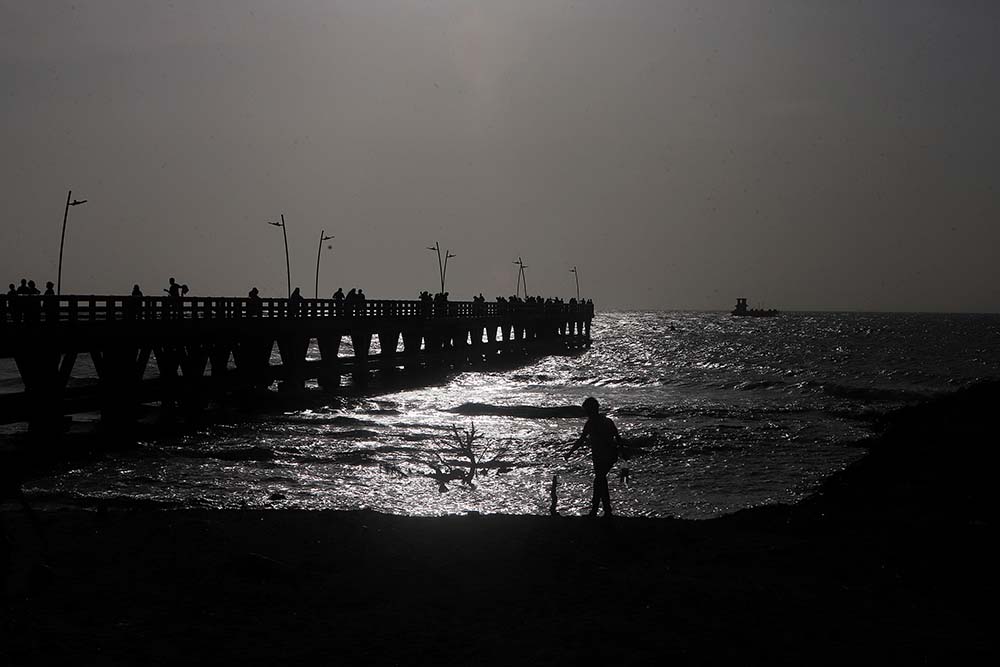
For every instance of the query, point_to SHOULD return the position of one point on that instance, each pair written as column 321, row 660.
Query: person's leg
column 602, row 493
column 596, row 498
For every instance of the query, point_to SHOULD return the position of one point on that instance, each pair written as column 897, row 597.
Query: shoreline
column 890, row 559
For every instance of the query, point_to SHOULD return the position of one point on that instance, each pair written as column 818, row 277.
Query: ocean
column 721, row 414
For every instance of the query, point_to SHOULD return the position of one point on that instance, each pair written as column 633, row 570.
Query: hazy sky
column 807, row 154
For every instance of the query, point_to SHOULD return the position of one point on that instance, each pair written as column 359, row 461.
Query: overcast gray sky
column 806, row 154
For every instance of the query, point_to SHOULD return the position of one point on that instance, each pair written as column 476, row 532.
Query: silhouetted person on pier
column 255, row 306
column 350, row 301
column 133, row 304
column 338, row 302
column 359, row 303
column 13, row 307
column 32, row 307
column 173, row 291
column 295, row 303
column 22, row 289
column 604, row 440
column 50, row 303
column 426, row 304
column 11, row 304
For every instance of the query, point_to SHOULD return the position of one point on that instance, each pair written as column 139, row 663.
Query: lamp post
column 62, row 240
column 521, row 266
column 444, row 274
column 577, row 275
column 322, row 237
column 288, row 266
column 437, row 248
column 442, row 264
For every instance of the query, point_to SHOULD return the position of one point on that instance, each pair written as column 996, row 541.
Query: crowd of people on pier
column 23, row 308
column 27, row 304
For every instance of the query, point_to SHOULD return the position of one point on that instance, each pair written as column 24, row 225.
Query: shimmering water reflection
column 725, row 413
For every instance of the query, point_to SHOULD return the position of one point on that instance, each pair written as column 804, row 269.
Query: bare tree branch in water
column 476, row 463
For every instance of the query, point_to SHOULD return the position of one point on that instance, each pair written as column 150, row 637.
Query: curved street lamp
column 442, row 263
column 521, row 266
column 322, row 237
column 444, row 274
column 288, row 266
column 62, row 240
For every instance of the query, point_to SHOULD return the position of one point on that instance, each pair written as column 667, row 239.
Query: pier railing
column 70, row 309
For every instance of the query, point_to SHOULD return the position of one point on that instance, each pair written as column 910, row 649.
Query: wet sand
column 891, row 560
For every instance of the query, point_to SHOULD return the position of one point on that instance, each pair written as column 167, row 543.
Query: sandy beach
column 889, row 561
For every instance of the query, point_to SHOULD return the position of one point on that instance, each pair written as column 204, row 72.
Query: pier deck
column 204, row 344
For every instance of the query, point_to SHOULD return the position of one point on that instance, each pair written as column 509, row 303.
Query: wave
column 710, row 412
column 240, row 454
column 356, row 434
column 883, row 394
column 522, row 411
column 361, row 457
column 339, row 420
column 759, row 384
column 529, row 377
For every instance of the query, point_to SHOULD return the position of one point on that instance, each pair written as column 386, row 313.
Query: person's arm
column 579, row 441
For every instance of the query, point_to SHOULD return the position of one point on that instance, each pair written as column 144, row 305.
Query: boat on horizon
column 741, row 310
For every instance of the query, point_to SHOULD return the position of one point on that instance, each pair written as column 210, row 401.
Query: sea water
column 721, row 413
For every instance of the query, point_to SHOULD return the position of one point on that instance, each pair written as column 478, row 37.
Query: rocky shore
column 890, row 560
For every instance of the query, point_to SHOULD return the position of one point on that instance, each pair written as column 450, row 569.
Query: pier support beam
column 44, row 374
column 252, row 356
column 411, row 343
column 293, row 351
column 120, row 370
column 388, row 341
column 219, row 358
column 329, row 352
column 362, row 342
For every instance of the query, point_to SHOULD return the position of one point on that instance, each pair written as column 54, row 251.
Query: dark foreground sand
column 891, row 561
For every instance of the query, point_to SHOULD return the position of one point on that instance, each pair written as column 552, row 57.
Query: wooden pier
column 216, row 345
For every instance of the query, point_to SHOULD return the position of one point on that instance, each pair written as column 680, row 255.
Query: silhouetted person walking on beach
column 604, row 442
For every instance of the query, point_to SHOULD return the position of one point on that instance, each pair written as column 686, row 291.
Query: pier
column 181, row 351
